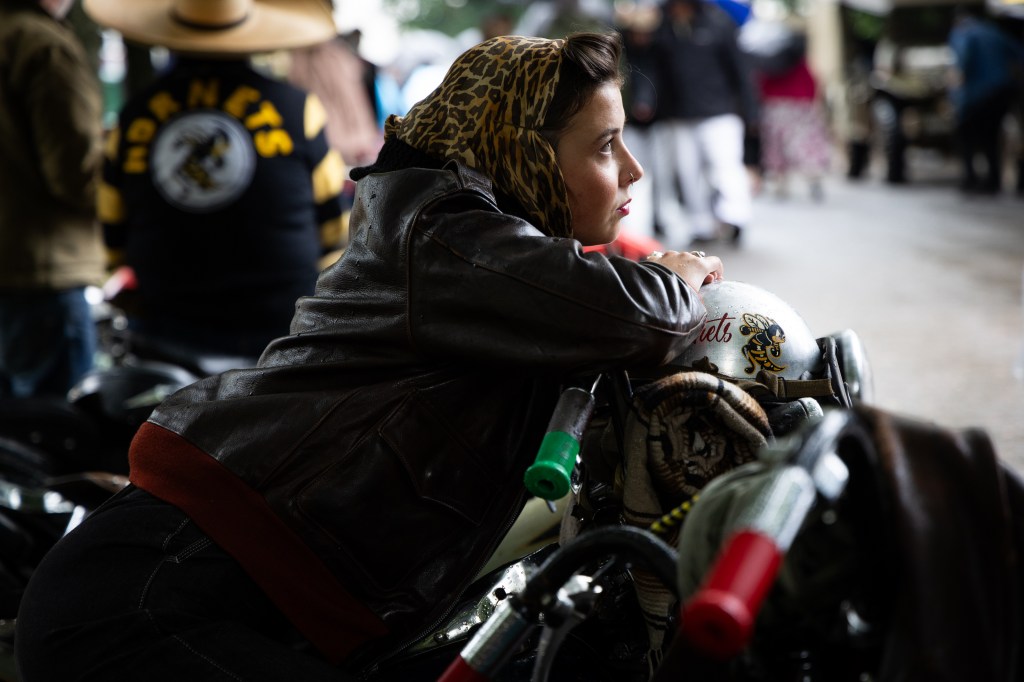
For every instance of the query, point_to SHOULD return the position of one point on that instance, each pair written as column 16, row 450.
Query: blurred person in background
column 380, row 85
column 219, row 183
column 657, row 210
column 709, row 99
column 989, row 74
column 793, row 130
column 334, row 72
column 854, row 121
column 51, row 246
column 1017, row 111
column 556, row 18
column 496, row 24
column 346, row 85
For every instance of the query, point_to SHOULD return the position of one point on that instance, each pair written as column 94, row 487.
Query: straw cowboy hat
column 217, row 26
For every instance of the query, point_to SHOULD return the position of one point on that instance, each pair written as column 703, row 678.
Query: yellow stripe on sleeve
column 115, row 258
column 110, row 142
column 328, row 177
column 109, row 204
column 334, row 232
column 315, row 116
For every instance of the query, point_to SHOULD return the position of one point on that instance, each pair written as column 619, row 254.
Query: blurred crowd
column 791, row 137
column 713, row 123
column 721, row 105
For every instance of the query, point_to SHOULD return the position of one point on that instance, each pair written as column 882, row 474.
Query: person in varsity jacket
column 218, row 182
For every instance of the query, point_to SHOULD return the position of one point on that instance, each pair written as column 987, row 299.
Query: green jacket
column 50, row 150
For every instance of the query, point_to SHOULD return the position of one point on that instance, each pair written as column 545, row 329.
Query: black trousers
column 979, row 132
column 138, row 592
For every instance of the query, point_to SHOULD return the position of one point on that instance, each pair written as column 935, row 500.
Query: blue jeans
column 47, row 342
column 138, row 592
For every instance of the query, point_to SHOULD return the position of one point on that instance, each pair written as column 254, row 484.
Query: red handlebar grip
column 461, row 671
column 719, row 619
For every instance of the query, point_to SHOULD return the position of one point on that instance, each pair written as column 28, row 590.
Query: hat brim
column 271, row 25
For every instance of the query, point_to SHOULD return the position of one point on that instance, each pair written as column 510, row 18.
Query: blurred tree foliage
column 917, row 24
column 451, row 16
column 863, row 25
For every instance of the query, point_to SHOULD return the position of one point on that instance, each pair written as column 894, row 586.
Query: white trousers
column 656, row 197
column 708, row 162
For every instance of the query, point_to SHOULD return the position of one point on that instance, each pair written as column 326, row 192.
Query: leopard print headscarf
column 487, row 114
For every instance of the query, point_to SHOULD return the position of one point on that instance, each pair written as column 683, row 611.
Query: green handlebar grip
column 549, row 475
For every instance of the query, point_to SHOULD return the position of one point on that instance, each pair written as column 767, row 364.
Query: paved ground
column 929, row 279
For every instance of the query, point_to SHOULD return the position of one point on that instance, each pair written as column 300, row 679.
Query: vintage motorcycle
column 572, row 610
column 821, row 558
column 778, row 564
column 574, row 617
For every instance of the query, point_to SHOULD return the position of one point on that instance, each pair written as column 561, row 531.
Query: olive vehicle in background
column 887, row 69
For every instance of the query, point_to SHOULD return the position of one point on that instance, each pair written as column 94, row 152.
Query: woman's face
column 596, row 167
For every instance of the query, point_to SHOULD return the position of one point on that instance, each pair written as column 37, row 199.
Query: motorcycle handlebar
column 719, row 618
column 550, row 475
column 489, row 649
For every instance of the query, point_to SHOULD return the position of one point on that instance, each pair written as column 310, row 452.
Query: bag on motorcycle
column 682, row 431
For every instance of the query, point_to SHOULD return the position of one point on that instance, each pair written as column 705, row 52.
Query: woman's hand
column 695, row 267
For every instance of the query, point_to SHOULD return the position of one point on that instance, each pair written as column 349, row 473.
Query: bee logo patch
column 202, row 161
column 766, row 339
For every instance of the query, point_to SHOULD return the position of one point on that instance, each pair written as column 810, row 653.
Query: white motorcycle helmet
column 748, row 330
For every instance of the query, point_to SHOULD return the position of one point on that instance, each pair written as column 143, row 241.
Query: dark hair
column 589, row 60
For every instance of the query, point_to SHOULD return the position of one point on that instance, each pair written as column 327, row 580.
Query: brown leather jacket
column 368, row 467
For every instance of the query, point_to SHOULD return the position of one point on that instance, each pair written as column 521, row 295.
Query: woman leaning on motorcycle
column 334, row 501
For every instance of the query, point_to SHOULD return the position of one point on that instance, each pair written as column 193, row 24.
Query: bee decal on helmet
column 766, row 338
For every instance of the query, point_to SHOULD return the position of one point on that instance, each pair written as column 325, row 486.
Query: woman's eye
column 607, row 147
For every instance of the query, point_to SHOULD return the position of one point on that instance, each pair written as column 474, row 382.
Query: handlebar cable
column 656, row 556
column 674, row 517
